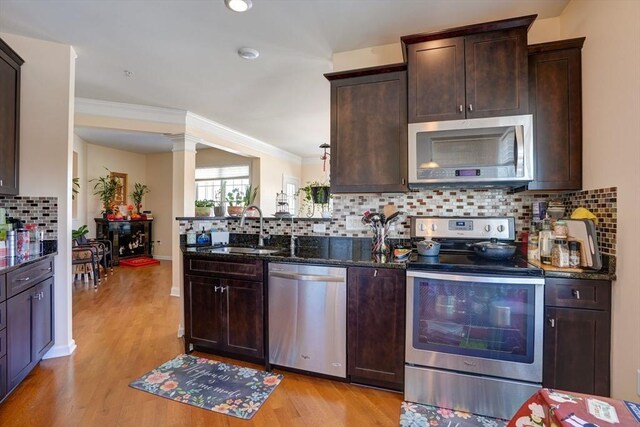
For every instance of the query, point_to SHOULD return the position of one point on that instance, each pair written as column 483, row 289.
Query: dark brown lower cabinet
column 376, row 326
column 577, row 335
column 224, row 315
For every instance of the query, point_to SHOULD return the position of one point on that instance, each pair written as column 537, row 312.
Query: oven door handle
column 476, row 279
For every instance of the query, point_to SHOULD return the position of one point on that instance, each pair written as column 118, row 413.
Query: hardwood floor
column 126, row 328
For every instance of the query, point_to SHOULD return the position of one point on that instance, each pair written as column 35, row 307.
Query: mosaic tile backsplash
column 34, row 210
column 449, row 202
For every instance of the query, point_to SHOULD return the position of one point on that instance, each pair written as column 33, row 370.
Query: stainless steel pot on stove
column 494, row 249
column 428, row 248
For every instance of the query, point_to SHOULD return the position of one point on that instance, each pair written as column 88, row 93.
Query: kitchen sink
column 243, row 250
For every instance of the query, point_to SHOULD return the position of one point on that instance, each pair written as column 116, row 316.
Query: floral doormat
column 210, row 384
column 418, row 415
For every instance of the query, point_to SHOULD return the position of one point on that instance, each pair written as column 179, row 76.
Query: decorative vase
column 235, row 210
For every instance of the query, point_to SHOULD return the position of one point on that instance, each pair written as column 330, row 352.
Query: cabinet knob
column 575, row 293
column 223, row 288
column 470, row 107
column 217, row 288
column 0, row 183
column 461, row 109
column 552, row 322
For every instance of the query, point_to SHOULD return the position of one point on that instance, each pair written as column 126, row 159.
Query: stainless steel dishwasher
column 308, row 318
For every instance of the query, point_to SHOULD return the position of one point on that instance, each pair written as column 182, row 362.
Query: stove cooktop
column 457, row 262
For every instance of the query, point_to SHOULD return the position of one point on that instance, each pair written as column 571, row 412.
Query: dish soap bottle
column 203, row 238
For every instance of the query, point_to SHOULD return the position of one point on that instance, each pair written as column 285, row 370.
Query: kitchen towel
column 209, row 384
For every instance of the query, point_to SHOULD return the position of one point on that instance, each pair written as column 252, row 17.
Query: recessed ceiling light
column 128, row 73
column 248, row 53
column 238, row 5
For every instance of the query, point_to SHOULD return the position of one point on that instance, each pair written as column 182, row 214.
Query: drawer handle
column 575, row 293
column 552, row 322
column 37, row 296
column 23, row 279
column 217, row 288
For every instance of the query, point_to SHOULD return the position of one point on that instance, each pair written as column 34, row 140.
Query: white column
column 183, row 196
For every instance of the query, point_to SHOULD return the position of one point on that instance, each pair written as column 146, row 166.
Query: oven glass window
column 494, row 321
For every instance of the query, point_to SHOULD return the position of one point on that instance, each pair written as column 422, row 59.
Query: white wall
column 611, row 146
column 159, row 201
column 80, row 147
column 99, row 158
column 368, row 57
column 46, row 142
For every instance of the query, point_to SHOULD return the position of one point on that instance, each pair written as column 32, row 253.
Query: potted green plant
column 314, row 193
column 237, row 199
column 204, row 207
column 105, row 188
column 80, row 232
column 139, row 190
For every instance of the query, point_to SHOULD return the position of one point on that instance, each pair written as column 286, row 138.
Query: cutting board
column 546, row 267
column 584, row 230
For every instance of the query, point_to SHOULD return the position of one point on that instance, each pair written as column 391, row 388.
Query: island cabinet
column 10, row 64
column 369, row 130
column 555, row 100
column 376, row 326
column 577, row 335
column 468, row 72
column 224, row 307
column 27, row 319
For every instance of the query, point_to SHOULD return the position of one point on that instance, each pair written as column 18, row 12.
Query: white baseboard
column 175, row 292
column 60, row 350
column 163, row 257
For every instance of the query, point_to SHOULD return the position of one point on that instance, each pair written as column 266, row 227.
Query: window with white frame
column 215, row 182
column 290, row 185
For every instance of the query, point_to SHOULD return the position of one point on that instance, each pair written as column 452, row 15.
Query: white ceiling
column 138, row 142
column 183, row 52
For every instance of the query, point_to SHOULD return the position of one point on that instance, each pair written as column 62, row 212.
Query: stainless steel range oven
column 474, row 327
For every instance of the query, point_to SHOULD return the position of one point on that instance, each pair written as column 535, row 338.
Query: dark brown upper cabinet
column 10, row 64
column 369, row 130
column 468, row 72
column 555, row 100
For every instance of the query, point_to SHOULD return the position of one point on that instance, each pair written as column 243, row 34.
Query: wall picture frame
column 121, row 189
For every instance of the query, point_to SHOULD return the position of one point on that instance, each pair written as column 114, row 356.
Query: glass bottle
column 545, row 241
column 574, row 254
column 560, row 253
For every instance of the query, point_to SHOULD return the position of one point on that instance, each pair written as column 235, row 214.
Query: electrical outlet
column 319, row 228
column 354, row 223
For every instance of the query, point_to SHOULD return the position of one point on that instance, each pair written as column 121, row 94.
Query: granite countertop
column 8, row 264
column 310, row 255
column 349, row 251
column 607, row 272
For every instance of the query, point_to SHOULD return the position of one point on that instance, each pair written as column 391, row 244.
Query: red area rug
column 139, row 262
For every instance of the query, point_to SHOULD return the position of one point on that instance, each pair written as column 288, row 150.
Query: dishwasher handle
column 306, row 277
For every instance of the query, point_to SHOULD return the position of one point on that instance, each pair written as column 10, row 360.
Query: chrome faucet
column 292, row 245
column 261, row 235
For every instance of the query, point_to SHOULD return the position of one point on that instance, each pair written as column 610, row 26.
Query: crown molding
column 121, row 110
column 227, row 134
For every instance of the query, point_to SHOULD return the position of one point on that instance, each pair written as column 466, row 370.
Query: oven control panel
column 502, row 228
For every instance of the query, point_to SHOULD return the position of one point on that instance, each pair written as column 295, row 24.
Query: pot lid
column 494, row 244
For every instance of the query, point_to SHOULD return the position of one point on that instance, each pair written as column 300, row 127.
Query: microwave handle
column 519, row 151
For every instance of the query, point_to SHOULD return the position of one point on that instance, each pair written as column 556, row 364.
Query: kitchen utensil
column 389, row 210
column 392, row 218
column 428, row 248
column 584, row 231
column 500, row 314
column 494, row 249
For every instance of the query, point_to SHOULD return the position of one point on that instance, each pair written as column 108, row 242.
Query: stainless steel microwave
column 495, row 151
